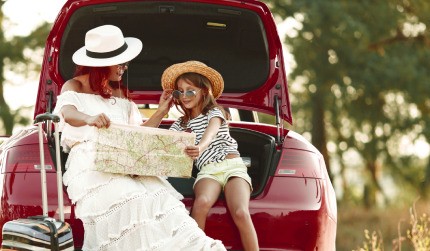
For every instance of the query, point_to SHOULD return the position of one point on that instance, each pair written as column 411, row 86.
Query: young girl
column 195, row 90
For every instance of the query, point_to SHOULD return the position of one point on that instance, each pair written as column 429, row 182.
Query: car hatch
column 238, row 38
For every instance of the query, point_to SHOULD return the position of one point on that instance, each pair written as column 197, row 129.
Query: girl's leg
column 206, row 193
column 237, row 193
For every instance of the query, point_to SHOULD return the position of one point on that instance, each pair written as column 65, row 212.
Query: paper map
column 143, row 151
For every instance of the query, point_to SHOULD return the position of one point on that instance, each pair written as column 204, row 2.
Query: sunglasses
column 189, row 94
column 124, row 65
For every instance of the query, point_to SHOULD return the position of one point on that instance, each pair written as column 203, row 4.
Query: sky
column 21, row 22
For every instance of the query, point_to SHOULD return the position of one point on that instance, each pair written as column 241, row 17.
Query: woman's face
column 190, row 101
column 116, row 71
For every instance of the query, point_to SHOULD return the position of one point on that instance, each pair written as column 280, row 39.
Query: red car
column 293, row 204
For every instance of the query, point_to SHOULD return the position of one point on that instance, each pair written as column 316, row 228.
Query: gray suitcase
column 41, row 232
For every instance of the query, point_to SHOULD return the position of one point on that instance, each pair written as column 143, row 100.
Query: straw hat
column 170, row 75
column 105, row 46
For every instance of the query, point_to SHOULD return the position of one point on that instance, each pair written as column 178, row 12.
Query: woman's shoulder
column 76, row 87
column 73, row 89
column 73, row 85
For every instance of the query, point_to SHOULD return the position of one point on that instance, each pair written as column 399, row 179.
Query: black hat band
column 109, row 54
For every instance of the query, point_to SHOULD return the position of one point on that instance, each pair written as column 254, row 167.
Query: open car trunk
column 229, row 36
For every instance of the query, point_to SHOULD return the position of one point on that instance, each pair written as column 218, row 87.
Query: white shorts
column 225, row 170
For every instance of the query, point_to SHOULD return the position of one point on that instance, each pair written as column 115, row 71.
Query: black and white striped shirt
column 220, row 146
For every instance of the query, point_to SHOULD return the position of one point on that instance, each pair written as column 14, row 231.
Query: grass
column 397, row 228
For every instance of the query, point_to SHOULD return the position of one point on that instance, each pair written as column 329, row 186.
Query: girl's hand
column 163, row 108
column 99, row 121
column 166, row 101
column 192, row 151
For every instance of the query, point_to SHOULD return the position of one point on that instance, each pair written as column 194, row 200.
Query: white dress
column 120, row 212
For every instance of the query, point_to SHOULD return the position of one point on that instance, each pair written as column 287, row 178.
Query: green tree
column 363, row 71
column 13, row 55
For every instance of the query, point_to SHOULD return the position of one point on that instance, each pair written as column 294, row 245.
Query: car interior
column 256, row 149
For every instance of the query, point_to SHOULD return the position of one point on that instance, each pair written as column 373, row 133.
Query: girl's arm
column 209, row 134
column 163, row 108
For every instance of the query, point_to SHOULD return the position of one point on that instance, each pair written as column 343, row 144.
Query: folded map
column 143, row 150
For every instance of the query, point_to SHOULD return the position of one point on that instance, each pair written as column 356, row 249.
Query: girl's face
column 191, row 102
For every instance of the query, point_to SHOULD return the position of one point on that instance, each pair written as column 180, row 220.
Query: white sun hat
column 105, row 46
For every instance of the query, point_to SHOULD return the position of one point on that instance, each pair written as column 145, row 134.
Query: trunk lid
column 238, row 38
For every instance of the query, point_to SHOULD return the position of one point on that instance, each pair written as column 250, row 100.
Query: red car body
column 293, row 205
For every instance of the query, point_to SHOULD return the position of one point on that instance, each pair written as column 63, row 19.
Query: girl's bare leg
column 237, row 194
column 206, row 193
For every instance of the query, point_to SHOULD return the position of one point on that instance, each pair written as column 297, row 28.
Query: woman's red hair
column 99, row 80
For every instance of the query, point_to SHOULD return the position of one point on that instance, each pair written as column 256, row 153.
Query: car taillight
column 25, row 158
column 299, row 163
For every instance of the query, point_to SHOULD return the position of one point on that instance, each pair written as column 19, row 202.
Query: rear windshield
column 232, row 40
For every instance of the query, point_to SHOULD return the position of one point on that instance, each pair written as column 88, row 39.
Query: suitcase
column 41, row 232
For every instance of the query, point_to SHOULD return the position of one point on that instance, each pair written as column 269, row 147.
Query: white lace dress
column 120, row 212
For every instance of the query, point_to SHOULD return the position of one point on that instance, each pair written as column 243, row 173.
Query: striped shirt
column 220, row 146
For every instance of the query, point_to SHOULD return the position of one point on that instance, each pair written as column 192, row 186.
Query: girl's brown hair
column 99, row 80
column 208, row 102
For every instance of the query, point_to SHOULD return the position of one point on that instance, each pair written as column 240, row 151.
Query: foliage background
column 359, row 86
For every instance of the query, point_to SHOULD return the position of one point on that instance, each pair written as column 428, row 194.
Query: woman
column 119, row 212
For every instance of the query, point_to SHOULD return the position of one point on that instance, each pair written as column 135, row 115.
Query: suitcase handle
column 39, row 121
column 45, row 117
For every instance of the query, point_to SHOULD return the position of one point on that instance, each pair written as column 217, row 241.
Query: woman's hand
column 76, row 118
column 99, row 121
column 192, row 151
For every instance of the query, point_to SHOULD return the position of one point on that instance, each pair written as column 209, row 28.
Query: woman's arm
column 76, row 118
